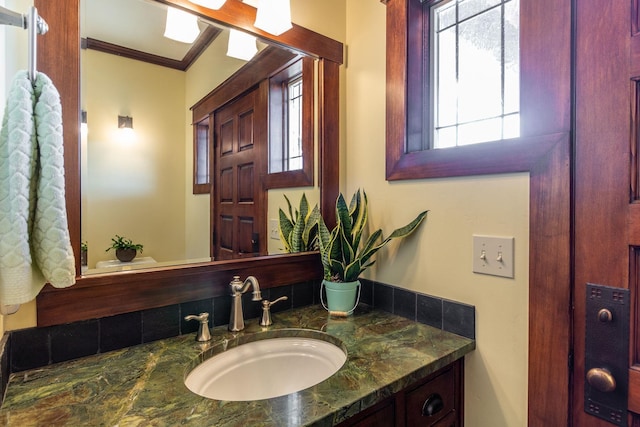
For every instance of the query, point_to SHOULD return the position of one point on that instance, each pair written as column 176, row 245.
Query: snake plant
column 299, row 230
column 344, row 258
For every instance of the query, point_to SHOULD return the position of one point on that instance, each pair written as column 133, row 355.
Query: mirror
column 138, row 183
column 110, row 294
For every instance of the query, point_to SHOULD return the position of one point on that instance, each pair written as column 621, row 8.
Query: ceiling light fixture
column 209, row 4
column 241, row 45
column 181, row 26
column 274, row 16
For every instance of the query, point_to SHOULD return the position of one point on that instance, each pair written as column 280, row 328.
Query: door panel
column 238, row 202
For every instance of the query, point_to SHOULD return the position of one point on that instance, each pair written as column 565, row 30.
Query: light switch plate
column 493, row 255
column 273, row 229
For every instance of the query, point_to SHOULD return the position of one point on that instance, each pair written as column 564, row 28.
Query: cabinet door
column 450, row 420
column 427, row 404
column 380, row 416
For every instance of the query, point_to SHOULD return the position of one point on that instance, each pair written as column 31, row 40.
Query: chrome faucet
column 236, row 321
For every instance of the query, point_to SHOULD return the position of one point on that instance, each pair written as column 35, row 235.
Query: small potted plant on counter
column 125, row 249
column 345, row 256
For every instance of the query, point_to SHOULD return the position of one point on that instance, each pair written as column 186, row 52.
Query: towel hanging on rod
column 32, row 22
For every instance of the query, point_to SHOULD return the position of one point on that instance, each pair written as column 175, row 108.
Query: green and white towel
column 34, row 236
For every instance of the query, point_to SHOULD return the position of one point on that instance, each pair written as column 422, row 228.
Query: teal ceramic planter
column 342, row 297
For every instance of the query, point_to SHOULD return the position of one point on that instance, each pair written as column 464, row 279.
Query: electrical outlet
column 274, row 233
column 493, row 255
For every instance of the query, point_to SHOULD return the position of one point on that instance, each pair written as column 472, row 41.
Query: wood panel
column 238, row 196
column 329, row 139
column 602, row 181
column 143, row 289
column 203, row 41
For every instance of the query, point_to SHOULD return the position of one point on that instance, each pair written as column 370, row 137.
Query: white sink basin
column 267, row 368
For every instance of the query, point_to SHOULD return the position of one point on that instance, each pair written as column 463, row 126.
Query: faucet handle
column 266, row 310
column 203, row 334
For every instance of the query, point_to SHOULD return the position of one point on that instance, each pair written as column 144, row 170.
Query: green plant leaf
column 359, row 217
column 352, row 271
column 285, row 227
column 310, row 232
column 343, row 217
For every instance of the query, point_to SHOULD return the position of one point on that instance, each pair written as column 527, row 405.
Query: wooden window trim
column 538, row 114
column 302, row 177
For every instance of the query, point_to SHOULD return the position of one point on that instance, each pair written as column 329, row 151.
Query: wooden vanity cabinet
column 435, row 401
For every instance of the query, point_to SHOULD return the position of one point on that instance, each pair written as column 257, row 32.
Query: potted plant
column 125, row 249
column 299, row 230
column 345, row 255
column 84, row 251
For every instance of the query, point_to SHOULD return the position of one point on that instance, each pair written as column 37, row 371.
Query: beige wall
column 438, row 259
column 135, row 185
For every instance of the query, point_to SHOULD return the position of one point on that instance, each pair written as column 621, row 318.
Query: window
column 201, row 158
column 291, row 103
column 293, row 130
column 433, row 71
column 285, row 119
column 474, row 72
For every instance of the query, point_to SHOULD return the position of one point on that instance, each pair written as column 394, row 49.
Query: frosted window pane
column 446, row 137
column 447, row 86
column 511, row 126
column 475, row 72
column 480, row 70
column 512, row 57
column 469, row 8
column 486, row 130
column 446, row 15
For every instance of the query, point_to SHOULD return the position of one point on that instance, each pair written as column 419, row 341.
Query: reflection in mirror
column 140, row 185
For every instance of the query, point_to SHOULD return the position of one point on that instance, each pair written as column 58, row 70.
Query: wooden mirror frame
column 110, row 294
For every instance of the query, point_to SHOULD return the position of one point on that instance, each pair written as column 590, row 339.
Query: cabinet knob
column 432, row 405
column 601, row 379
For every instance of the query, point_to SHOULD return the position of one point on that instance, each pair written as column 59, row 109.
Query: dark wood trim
column 549, row 286
column 242, row 16
column 203, row 41
column 263, row 65
column 328, row 139
column 59, row 58
column 143, row 289
column 544, row 150
column 103, row 296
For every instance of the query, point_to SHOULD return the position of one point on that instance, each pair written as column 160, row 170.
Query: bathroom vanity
column 396, row 369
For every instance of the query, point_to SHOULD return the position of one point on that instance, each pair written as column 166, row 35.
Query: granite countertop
column 143, row 385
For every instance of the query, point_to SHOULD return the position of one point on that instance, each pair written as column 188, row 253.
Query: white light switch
column 274, row 233
column 493, row 255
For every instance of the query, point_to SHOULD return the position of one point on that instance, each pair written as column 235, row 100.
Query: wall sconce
column 125, row 122
column 181, row 26
column 209, row 4
column 274, row 16
column 241, row 45
column 83, row 123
